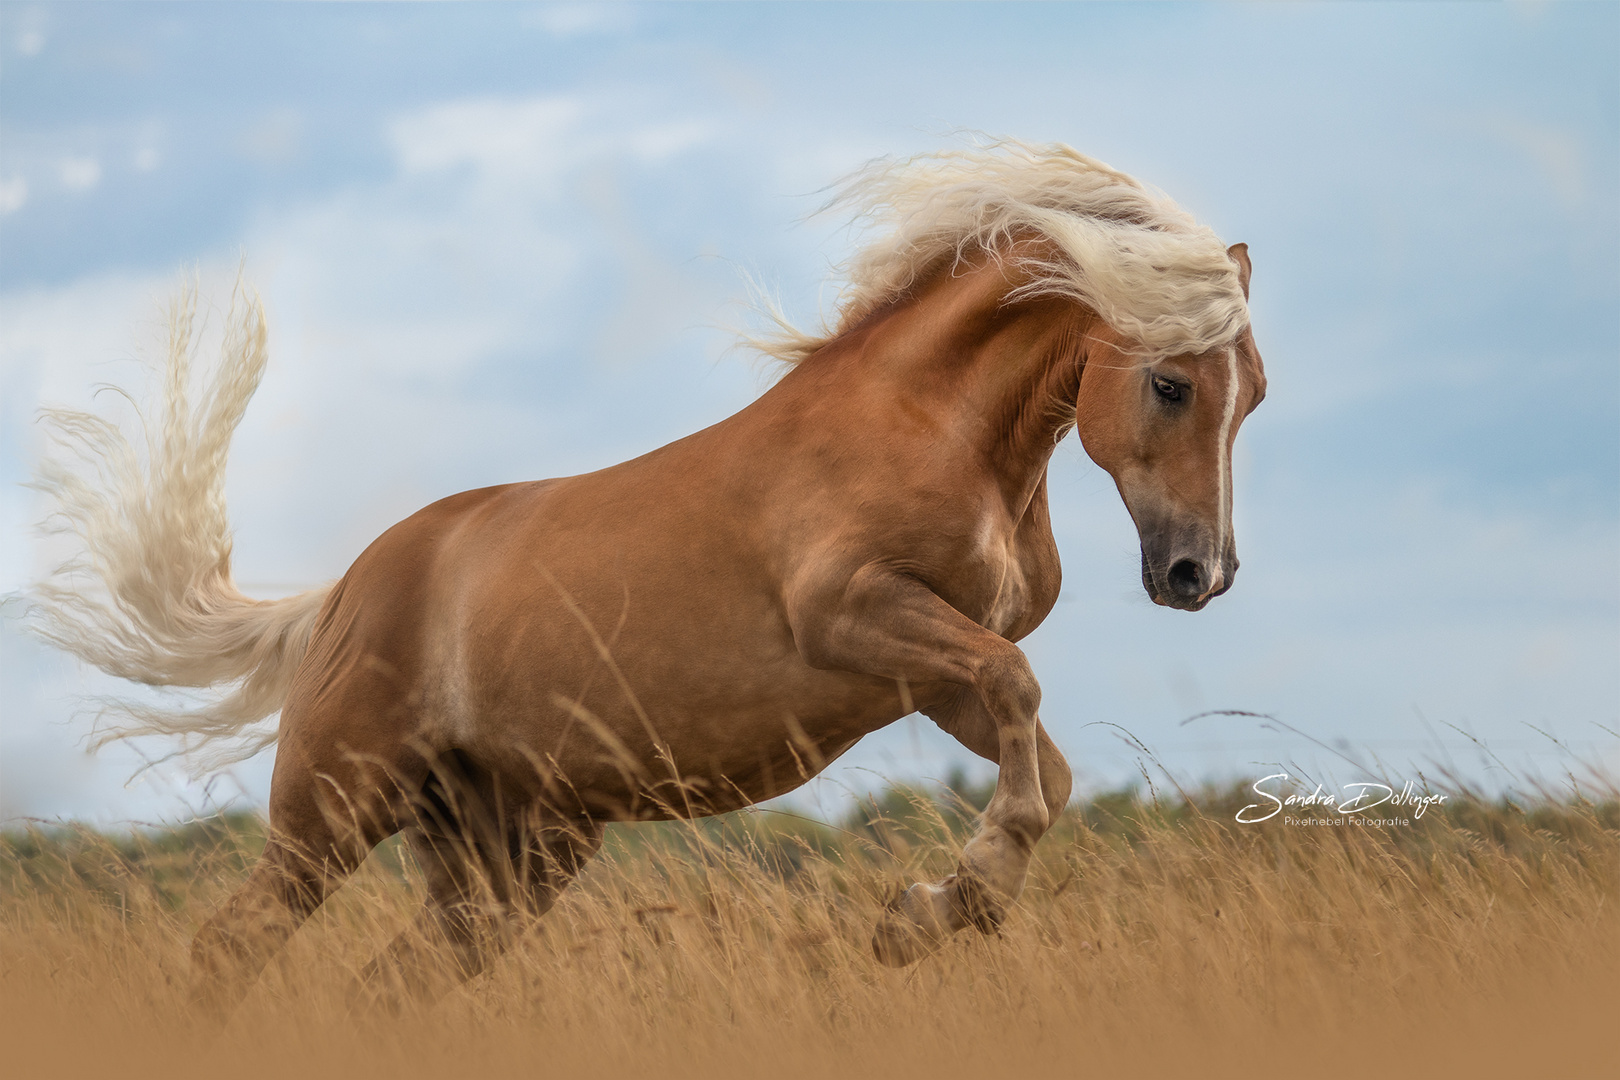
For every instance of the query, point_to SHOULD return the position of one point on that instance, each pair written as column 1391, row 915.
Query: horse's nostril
column 1187, row 578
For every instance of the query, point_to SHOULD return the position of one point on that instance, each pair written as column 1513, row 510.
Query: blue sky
column 501, row 242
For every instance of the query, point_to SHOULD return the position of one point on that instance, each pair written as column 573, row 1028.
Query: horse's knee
column 1008, row 686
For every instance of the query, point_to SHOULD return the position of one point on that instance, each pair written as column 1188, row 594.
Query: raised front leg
column 926, row 914
column 886, row 623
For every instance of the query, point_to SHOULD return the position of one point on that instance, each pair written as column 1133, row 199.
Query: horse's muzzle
column 1187, row 583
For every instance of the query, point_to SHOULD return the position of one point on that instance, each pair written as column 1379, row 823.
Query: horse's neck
column 1000, row 378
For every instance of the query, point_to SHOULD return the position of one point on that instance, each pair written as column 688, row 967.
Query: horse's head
column 1164, row 431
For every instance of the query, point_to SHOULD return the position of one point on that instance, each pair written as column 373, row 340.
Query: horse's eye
column 1166, row 389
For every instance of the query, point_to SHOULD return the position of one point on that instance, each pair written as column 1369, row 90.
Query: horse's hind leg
column 307, row 855
column 475, row 887
column 443, row 945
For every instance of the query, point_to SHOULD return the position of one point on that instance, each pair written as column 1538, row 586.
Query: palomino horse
column 710, row 624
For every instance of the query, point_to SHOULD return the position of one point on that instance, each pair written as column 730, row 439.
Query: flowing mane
column 1131, row 254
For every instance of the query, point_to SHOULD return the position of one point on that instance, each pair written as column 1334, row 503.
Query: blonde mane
column 1129, row 253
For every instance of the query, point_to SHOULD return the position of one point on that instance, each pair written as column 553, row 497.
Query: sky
column 505, row 242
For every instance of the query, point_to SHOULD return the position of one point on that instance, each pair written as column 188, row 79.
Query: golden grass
column 1480, row 940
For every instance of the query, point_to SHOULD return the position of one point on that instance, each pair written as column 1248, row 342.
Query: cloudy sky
column 504, row 242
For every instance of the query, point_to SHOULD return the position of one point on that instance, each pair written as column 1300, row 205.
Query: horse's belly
column 733, row 724
column 634, row 663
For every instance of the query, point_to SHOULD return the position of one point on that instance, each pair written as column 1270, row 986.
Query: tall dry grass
column 1481, row 939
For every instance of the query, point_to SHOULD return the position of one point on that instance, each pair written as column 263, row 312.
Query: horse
column 708, row 625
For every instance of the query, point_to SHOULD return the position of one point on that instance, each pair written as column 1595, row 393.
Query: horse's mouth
column 1161, row 588
column 1179, row 603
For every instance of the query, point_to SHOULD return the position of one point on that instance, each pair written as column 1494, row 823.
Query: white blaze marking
column 1224, row 471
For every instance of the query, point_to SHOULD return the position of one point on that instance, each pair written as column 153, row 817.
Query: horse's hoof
column 894, row 945
column 210, row 1008
column 375, row 993
column 976, row 905
column 914, row 926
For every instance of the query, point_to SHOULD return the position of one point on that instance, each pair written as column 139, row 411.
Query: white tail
column 149, row 596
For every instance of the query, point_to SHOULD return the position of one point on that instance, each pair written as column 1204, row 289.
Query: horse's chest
column 1008, row 582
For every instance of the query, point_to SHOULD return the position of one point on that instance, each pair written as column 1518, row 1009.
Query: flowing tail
column 149, row 594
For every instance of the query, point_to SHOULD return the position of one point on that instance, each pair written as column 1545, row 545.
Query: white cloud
column 56, row 343
column 578, row 20
column 275, row 140
column 13, row 194
column 529, row 141
column 146, row 159
column 59, row 346
column 522, row 139
column 79, row 173
column 1557, row 153
column 29, row 24
column 660, row 141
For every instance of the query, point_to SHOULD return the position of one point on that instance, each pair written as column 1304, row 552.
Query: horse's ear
column 1239, row 253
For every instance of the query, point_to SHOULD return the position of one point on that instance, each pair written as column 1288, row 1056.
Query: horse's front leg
column 889, row 624
column 995, row 861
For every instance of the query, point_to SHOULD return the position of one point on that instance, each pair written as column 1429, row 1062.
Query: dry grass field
column 1156, row 936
